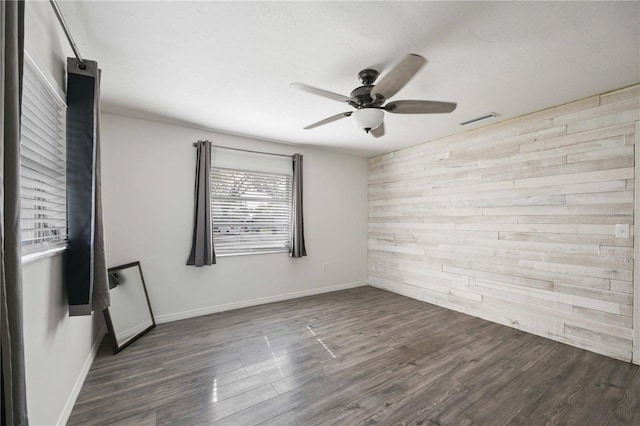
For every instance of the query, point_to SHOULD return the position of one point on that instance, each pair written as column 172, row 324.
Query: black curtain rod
column 247, row 150
column 76, row 52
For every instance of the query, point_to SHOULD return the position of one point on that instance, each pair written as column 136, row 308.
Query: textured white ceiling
column 227, row 65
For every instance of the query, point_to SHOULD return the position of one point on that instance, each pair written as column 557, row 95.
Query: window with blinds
column 42, row 163
column 251, row 211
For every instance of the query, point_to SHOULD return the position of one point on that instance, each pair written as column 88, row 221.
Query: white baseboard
column 77, row 387
column 254, row 302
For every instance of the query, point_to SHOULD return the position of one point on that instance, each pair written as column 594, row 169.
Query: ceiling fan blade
column 420, row 107
column 329, row 120
column 378, row 131
column 398, row 76
column 320, row 92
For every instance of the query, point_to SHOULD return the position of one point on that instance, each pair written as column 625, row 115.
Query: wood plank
column 623, row 115
column 583, row 219
column 607, row 132
column 620, row 95
column 618, row 197
column 568, row 299
column 582, row 270
column 636, row 256
column 572, row 178
column 622, row 151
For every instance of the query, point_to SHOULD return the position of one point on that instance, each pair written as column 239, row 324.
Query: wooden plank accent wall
column 515, row 222
column 636, row 259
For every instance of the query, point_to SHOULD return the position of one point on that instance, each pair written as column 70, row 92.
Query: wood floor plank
column 359, row 356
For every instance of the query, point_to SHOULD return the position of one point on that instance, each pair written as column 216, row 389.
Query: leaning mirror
column 129, row 315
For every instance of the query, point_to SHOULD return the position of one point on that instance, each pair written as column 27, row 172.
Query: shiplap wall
column 515, row 222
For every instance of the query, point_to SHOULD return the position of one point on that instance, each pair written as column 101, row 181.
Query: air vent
column 484, row 117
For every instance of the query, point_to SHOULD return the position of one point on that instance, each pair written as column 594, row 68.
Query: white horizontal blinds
column 251, row 210
column 42, row 163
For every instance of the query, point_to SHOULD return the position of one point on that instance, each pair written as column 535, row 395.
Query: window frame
column 254, row 250
column 56, row 96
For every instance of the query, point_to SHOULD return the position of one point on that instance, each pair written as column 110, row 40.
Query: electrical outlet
column 325, row 266
column 622, row 230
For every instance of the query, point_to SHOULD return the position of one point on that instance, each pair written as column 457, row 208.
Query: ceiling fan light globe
column 367, row 119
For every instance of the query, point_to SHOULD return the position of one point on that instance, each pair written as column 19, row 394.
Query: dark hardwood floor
column 361, row 356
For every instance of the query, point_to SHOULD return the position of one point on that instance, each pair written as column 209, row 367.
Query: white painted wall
column 58, row 349
column 148, row 177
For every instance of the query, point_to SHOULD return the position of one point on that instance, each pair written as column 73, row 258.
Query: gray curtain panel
column 202, row 251
column 85, row 262
column 101, row 298
column 14, row 402
column 296, row 247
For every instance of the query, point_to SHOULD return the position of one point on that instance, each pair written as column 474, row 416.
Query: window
column 42, row 163
column 251, row 209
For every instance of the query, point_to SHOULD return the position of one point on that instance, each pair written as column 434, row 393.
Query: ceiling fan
column 369, row 99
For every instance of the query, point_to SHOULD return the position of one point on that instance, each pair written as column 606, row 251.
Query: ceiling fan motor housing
column 361, row 98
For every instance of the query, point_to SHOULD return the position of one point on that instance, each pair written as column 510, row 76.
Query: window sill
column 32, row 257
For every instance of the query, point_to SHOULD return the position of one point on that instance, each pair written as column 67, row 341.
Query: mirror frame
column 107, row 314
